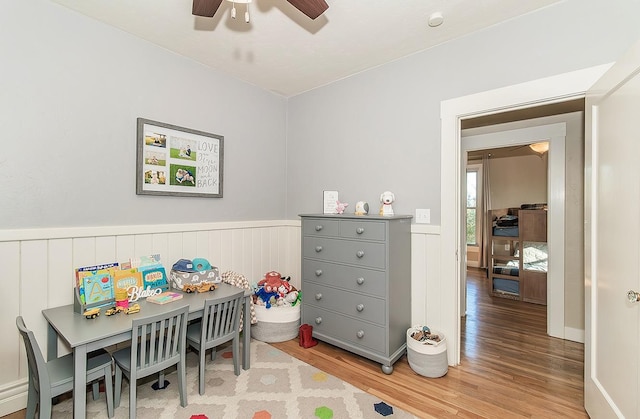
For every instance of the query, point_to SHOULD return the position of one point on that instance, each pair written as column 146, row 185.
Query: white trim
column 548, row 90
column 556, row 135
column 424, row 229
column 13, row 397
column 93, row 231
column 574, row 335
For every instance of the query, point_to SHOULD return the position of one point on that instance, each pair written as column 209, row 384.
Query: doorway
column 554, row 89
column 505, row 135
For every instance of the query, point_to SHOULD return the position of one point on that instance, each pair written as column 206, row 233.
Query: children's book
column 154, row 277
column 165, row 297
column 142, row 261
column 98, row 288
column 91, row 271
column 124, row 279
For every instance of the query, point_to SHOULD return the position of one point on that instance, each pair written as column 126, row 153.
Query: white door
column 612, row 245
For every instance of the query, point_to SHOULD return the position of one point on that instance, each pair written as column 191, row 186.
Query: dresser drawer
column 355, row 305
column 346, row 329
column 345, row 251
column 320, row 227
column 352, row 278
column 365, row 230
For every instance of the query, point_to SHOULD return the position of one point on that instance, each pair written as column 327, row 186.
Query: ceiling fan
column 311, row 8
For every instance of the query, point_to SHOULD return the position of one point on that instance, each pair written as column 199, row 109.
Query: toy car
column 206, row 286
column 189, row 288
column 114, row 310
column 132, row 309
column 92, row 313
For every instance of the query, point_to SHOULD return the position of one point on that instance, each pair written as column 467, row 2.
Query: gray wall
column 71, row 89
column 380, row 129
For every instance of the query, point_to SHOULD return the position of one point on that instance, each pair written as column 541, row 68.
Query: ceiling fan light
column 540, row 148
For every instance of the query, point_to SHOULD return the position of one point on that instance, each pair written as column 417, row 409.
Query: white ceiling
column 284, row 51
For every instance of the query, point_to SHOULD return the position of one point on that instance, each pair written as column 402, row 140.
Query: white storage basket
column 276, row 324
column 427, row 359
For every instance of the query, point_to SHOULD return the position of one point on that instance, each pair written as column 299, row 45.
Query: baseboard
column 13, row 397
column 574, row 335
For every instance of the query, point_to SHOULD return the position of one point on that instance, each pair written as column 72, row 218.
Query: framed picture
column 178, row 161
column 329, row 202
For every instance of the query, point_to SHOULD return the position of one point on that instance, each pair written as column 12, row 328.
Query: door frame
column 555, row 134
column 549, row 90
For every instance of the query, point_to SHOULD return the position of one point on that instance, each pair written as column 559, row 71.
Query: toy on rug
column 387, row 199
column 340, row 207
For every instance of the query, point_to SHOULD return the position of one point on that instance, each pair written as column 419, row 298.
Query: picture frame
column 329, row 202
column 178, row 161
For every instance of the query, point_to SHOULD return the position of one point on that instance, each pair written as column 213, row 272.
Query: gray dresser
column 356, row 283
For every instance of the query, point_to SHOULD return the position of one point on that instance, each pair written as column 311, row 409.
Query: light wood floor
column 509, row 368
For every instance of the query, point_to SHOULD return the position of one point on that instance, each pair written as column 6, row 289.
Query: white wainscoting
column 38, row 266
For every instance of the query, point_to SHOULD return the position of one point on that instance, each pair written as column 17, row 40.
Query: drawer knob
column 360, row 230
column 318, row 272
column 360, row 334
column 360, row 253
column 318, row 249
column 360, row 307
column 360, row 281
column 319, row 296
column 318, row 320
column 318, row 227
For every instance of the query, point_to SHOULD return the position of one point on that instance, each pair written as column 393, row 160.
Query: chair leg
column 235, row 347
column 45, row 407
column 118, row 387
column 32, row 401
column 132, row 394
column 201, row 369
column 95, row 390
column 182, row 381
column 108, row 390
column 213, row 354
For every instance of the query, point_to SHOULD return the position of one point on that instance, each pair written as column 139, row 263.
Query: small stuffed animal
column 271, row 281
column 340, row 207
column 387, row 199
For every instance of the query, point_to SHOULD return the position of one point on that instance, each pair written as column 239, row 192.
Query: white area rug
column 276, row 386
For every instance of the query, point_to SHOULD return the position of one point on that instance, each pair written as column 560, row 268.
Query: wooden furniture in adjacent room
column 356, row 283
column 533, row 261
column 518, row 254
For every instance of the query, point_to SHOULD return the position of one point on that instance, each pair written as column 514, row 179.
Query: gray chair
column 49, row 379
column 157, row 342
column 220, row 323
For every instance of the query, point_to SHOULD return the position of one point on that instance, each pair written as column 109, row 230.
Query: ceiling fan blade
column 205, row 8
column 311, row 8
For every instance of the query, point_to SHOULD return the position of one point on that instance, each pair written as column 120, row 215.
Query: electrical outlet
column 423, row 216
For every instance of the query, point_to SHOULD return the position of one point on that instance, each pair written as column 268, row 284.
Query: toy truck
column 206, row 286
column 92, row 313
column 113, row 310
column 134, row 308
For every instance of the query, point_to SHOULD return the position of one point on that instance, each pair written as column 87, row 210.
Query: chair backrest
column 160, row 339
column 221, row 319
column 38, row 372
